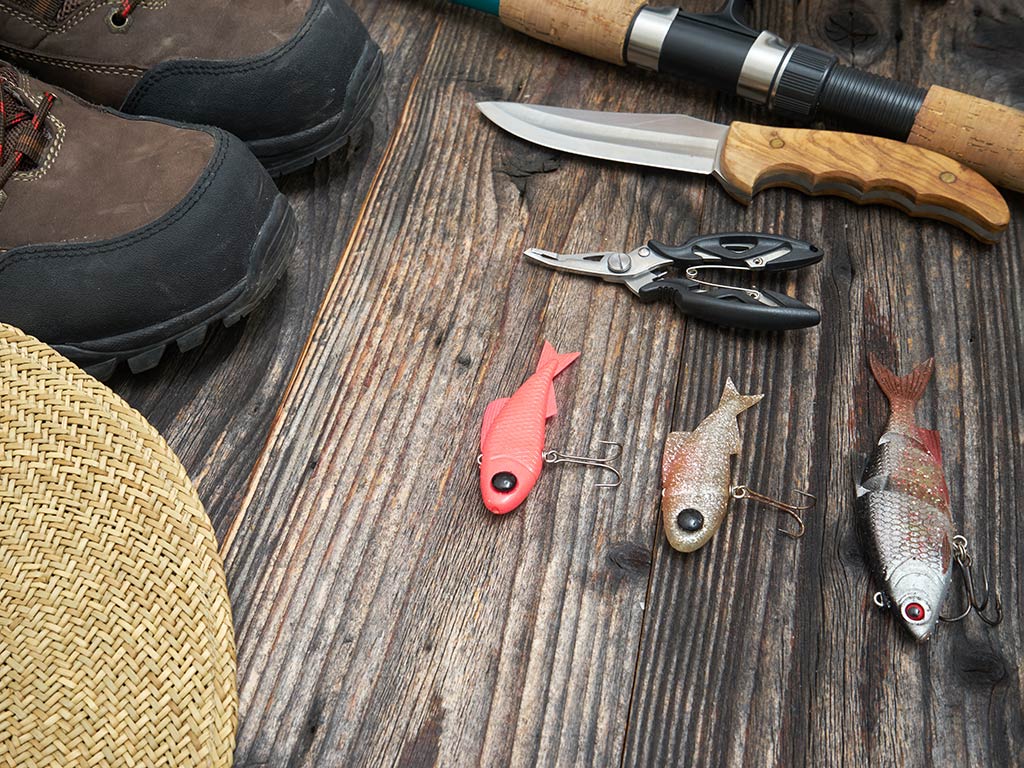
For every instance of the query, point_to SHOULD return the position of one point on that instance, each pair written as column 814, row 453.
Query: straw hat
column 116, row 644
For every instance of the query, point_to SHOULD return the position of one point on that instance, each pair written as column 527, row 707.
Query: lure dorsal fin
column 490, row 414
column 674, row 443
column 552, row 406
column 903, row 392
column 548, row 354
column 932, row 443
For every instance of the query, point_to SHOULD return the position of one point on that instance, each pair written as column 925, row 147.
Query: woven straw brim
column 116, row 642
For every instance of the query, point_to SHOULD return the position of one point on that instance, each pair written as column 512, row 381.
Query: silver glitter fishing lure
column 903, row 510
column 697, row 475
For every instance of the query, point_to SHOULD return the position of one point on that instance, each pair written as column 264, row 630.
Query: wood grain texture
column 762, row 652
column 864, row 169
column 988, row 137
column 215, row 405
column 385, row 618
column 377, row 502
column 595, row 28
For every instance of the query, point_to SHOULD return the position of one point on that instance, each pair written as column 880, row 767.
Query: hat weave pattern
column 116, row 641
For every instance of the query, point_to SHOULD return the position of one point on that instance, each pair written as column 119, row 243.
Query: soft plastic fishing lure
column 512, row 451
column 697, row 476
column 512, row 436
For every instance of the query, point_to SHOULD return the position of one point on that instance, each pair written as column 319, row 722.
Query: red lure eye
column 914, row 612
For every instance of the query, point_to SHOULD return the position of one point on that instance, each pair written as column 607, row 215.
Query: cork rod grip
column 988, row 137
column 864, row 169
column 596, row 28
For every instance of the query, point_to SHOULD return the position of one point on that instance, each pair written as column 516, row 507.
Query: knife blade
column 748, row 158
column 795, row 81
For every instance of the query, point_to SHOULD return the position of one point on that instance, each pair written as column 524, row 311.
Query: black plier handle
column 731, row 306
column 647, row 272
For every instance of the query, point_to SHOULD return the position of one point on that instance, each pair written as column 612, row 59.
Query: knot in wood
column 858, row 32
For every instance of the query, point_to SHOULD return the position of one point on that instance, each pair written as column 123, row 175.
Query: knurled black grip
column 799, row 86
column 870, row 103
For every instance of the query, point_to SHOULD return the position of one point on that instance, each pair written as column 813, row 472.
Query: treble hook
column 554, row 457
column 963, row 560
column 743, row 492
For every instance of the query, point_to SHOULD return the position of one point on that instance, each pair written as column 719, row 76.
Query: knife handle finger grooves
column 864, row 169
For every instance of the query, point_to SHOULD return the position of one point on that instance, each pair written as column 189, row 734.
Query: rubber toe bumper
column 210, row 259
column 292, row 105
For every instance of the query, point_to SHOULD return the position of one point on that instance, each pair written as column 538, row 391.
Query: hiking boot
column 294, row 79
column 120, row 236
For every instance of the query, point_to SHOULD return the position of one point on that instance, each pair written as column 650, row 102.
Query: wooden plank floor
column 385, row 618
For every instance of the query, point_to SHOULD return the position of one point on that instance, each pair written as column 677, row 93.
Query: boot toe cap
column 101, row 298
column 313, row 84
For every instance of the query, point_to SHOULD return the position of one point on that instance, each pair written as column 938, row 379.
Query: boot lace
column 23, row 135
column 122, row 15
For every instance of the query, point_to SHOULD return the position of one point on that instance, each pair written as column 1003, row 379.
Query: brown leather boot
column 292, row 78
column 120, row 236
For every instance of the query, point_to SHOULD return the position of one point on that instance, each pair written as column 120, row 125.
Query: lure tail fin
column 903, row 391
column 734, row 402
column 548, row 356
column 730, row 406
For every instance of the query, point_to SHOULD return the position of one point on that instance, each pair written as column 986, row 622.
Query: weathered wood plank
column 384, row 617
column 383, row 614
column 761, row 651
column 215, row 405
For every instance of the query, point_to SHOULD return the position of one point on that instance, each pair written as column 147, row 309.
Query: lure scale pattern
column 903, row 507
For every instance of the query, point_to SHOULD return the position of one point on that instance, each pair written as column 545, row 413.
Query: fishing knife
column 748, row 158
column 795, row 81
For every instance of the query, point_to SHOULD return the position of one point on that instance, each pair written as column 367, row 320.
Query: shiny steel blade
column 675, row 142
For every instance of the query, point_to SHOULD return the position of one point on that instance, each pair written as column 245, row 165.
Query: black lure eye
column 690, row 520
column 504, row 482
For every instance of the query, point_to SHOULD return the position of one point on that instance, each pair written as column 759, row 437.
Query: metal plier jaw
column 645, row 271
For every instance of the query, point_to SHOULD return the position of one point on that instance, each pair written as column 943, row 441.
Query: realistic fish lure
column 697, row 473
column 903, row 507
column 512, row 436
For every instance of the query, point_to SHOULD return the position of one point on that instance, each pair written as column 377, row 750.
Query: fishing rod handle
column 804, row 83
column 986, row 136
column 596, row 28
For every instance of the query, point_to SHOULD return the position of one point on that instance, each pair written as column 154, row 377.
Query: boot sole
column 143, row 349
column 287, row 154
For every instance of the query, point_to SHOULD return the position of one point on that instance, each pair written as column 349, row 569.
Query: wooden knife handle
column 595, row 28
column 864, row 169
column 988, row 137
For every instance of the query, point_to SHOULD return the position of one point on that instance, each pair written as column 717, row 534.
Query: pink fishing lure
column 512, row 436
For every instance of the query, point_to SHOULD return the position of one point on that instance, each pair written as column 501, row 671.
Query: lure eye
column 504, row 482
column 690, row 520
column 914, row 612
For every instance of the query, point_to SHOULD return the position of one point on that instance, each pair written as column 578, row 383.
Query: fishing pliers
column 645, row 271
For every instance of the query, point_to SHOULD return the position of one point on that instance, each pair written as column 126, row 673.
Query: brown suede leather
column 103, row 175
column 101, row 65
